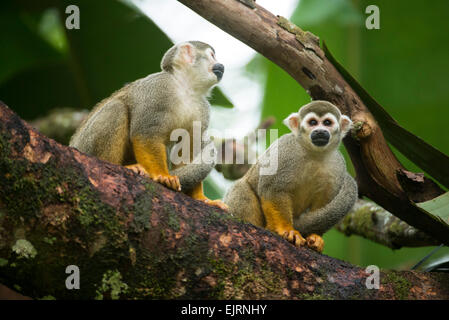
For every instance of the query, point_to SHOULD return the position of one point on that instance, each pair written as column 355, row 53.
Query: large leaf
column 417, row 150
column 115, row 44
column 438, row 206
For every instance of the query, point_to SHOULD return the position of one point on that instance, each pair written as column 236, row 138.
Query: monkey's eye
column 313, row 122
column 327, row 122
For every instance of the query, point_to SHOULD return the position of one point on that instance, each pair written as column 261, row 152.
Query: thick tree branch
column 132, row 238
column 299, row 54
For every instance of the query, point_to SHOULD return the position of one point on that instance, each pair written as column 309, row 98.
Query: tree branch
column 133, row 238
column 299, row 54
column 375, row 223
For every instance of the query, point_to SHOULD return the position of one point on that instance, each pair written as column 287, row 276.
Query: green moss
column 173, row 219
column 112, row 285
column 141, row 211
column 314, row 296
column 356, row 126
column 301, row 35
column 48, row 298
column 24, row 249
column 396, row 227
column 360, row 221
column 401, row 285
column 237, row 281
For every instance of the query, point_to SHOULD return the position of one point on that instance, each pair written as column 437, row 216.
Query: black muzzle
column 320, row 137
column 218, row 70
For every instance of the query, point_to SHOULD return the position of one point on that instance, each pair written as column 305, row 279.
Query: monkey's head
column 319, row 125
column 195, row 61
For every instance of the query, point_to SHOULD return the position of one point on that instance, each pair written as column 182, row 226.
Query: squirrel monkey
column 132, row 127
column 311, row 190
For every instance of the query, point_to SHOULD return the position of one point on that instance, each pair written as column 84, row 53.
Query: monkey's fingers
column 137, row 168
column 171, row 182
column 294, row 237
column 217, row 203
column 315, row 242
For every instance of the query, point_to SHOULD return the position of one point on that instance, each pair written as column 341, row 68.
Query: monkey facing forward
column 311, row 190
column 132, row 127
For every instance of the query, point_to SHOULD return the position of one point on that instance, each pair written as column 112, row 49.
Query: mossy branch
column 370, row 221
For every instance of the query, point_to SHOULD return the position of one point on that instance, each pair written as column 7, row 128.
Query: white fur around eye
column 307, row 118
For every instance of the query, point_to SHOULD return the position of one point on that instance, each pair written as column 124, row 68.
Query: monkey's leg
column 278, row 216
column 153, row 158
column 198, row 194
column 315, row 242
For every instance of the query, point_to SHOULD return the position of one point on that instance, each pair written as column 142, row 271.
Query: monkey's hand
column 217, row 203
column 171, row 182
column 198, row 194
column 315, row 242
column 293, row 236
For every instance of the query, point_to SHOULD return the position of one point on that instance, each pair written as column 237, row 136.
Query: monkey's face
column 210, row 70
column 320, row 132
column 319, row 126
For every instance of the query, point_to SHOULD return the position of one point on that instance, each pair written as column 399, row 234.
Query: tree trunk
column 134, row 239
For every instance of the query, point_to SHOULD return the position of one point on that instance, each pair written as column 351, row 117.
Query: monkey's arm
column 192, row 174
column 321, row 220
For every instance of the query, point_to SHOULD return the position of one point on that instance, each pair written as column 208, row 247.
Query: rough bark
column 372, row 222
column 132, row 238
column 299, row 54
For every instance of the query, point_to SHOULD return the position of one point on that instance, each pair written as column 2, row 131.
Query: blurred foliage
column 43, row 65
column 403, row 66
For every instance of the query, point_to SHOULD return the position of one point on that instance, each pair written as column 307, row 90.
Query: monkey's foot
column 137, row 168
column 216, row 203
column 293, row 236
column 315, row 242
column 171, row 182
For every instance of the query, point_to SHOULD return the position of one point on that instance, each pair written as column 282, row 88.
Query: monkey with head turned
column 311, row 189
column 133, row 126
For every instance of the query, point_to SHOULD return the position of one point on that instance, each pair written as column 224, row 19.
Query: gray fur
column 312, row 186
column 151, row 107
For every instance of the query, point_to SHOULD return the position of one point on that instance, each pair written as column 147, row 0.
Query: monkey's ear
column 292, row 122
column 186, row 53
column 345, row 124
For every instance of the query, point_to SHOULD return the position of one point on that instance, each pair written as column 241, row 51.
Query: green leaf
column 218, row 98
column 438, row 206
column 43, row 65
column 427, row 157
